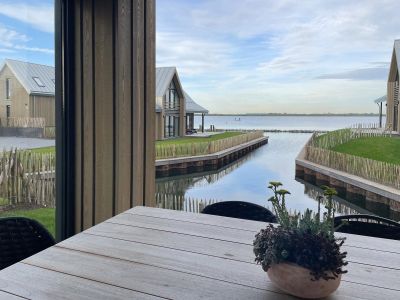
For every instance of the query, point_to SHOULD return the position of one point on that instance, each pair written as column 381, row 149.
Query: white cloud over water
column 280, row 56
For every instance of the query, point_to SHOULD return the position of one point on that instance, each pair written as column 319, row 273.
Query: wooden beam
column 106, row 109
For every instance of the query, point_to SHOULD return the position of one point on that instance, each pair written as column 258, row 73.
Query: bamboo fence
column 27, row 178
column 318, row 150
column 23, row 122
column 204, row 148
column 180, row 202
column 49, row 132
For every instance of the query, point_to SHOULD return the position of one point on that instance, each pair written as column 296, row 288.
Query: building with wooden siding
column 175, row 109
column 392, row 108
column 27, row 91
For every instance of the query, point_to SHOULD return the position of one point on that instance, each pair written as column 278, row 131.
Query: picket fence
column 317, row 150
column 203, row 148
column 25, row 179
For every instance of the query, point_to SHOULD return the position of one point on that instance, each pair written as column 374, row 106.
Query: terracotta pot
column 296, row 281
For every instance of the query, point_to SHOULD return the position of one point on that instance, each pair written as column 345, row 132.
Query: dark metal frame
column 65, row 119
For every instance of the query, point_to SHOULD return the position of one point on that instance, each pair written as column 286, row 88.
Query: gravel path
column 6, row 143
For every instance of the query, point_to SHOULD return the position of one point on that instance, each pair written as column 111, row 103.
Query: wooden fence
column 204, row 148
column 23, row 122
column 318, row 151
column 180, row 202
column 25, row 180
column 49, row 132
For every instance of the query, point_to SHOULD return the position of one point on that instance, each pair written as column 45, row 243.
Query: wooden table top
column 148, row 253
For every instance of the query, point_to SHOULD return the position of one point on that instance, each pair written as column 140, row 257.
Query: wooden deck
column 148, row 253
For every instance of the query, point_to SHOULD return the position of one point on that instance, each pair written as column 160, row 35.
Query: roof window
column 38, row 81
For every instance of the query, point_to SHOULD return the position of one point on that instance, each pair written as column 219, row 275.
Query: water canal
column 247, row 178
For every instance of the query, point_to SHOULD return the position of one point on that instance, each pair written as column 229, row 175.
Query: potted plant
column 301, row 255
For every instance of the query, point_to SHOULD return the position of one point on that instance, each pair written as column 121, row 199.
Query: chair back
column 20, row 238
column 368, row 225
column 240, row 210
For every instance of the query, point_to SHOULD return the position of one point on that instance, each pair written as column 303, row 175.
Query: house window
column 8, row 88
column 38, row 81
column 171, row 126
column 172, row 97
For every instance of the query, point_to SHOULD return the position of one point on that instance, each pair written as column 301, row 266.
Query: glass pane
column 27, row 111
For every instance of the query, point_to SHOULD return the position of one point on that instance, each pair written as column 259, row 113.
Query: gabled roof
column 397, row 51
column 26, row 73
column 395, row 63
column 164, row 75
column 192, row 106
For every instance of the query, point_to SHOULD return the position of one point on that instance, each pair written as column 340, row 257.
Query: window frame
column 38, row 81
column 8, row 88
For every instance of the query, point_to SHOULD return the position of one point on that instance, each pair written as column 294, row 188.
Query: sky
column 250, row 56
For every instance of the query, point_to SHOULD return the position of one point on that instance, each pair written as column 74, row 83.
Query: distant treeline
column 296, row 115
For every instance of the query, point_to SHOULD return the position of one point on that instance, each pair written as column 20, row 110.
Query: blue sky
column 252, row 55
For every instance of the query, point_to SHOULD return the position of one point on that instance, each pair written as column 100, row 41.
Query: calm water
column 284, row 123
column 247, row 179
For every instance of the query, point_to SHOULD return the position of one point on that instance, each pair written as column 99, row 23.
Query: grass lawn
column 385, row 149
column 44, row 150
column 45, row 216
column 188, row 139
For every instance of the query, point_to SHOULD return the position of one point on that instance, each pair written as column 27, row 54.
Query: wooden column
column 105, row 61
column 202, row 122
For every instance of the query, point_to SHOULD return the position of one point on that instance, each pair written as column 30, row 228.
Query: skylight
column 38, row 81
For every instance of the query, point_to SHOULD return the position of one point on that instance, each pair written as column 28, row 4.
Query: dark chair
column 240, row 210
column 368, row 225
column 21, row 238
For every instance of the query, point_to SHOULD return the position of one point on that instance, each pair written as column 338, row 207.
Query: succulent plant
column 305, row 239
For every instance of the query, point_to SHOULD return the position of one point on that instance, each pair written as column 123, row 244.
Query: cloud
column 377, row 73
column 40, row 16
column 266, row 55
column 12, row 41
column 8, row 37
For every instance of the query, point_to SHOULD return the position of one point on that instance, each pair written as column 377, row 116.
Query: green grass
column 188, row 139
column 385, row 149
column 44, row 150
column 45, row 216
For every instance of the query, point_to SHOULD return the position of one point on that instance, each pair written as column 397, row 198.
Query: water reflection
column 247, row 178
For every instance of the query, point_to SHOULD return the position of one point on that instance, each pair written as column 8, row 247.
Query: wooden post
column 202, row 122
column 105, row 110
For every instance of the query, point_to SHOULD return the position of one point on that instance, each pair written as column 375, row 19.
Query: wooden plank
column 88, row 117
column 78, row 115
column 150, row 103
column 223, row 249
column 197, row 218
column 123, row 106
column 201, row 230
column 203, row 265
column 8, row 296
column 37, row 283
column 253, row 226
column 104, row 110
column 138, row 98
column 143, row 278
column 360, row 271
column 173, row 240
